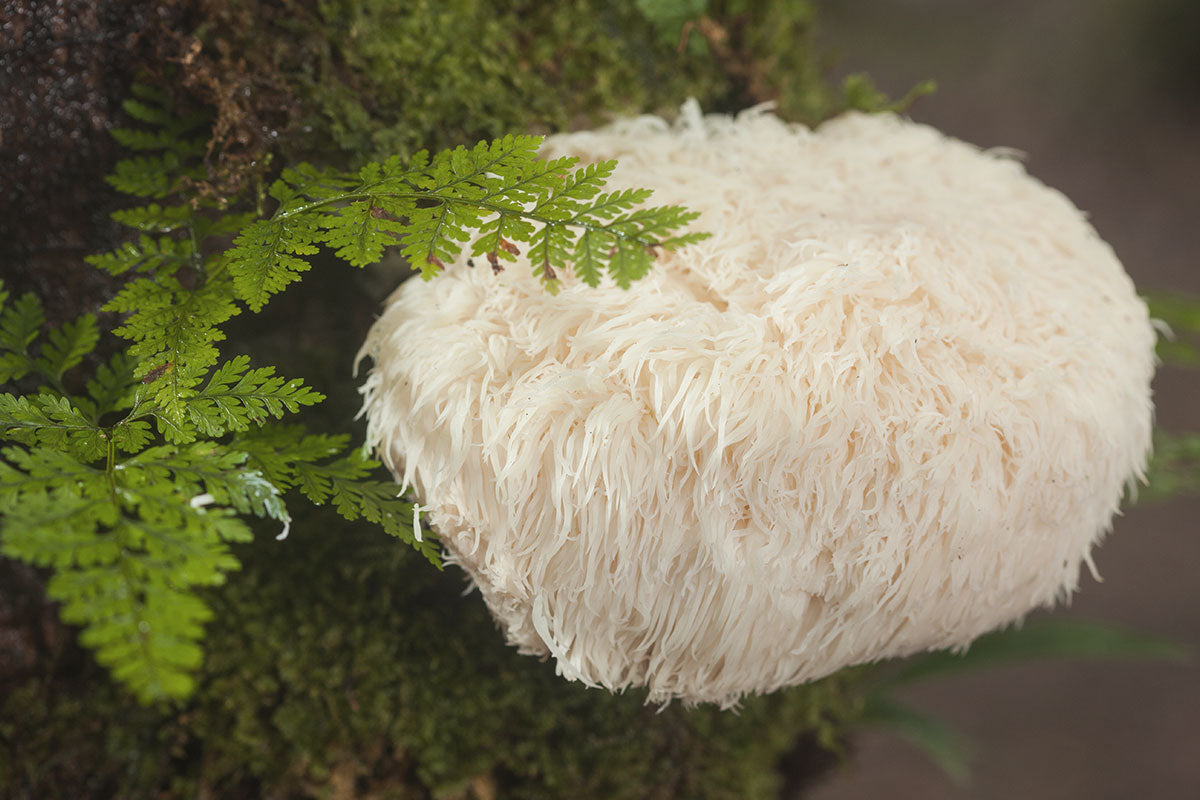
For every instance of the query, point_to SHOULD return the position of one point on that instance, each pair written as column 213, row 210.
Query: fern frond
column 375, row 501
column 26, row 473
column 167, row 130
column 360, row 231
column 292, row 458
column 152, row 113
column 66, row 346
column 494, row 195
column 237, row 398
column 130, row 546
column 172, row 327
column 20, row 324
column 146, row 176
column 277, row 451
column 496, row 236
column 215, row 473
column 63, row 348
column 163, row 255
column 436, row 234
column 154, row 218
column 568, row 198
column 51, row 421
column 264, row 258
column 111, row 389
column 588, row 253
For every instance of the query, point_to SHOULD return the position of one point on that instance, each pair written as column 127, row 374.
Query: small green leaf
column 161, row 256
column 153, row 114
column 1174, row 467
column 1179, row 344
column 1041, row 638
column 949, row 749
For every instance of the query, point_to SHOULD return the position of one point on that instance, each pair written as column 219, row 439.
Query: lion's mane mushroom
column 891, row 404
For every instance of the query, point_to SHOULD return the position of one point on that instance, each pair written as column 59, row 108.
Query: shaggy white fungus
column 891, row 404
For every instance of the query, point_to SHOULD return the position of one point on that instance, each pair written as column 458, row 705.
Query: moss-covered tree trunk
column 340, row 665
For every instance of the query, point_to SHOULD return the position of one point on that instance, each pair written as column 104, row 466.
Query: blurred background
column 1104, row 98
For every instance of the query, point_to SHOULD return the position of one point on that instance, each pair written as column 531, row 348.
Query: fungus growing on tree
column 891, row 404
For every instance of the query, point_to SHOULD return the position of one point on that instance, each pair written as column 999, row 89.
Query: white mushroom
column 891, row 404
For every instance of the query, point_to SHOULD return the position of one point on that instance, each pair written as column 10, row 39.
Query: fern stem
column 110, row 467
column 196, row 257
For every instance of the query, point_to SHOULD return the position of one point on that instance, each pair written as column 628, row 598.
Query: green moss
column 339, row 659
column 360, row 79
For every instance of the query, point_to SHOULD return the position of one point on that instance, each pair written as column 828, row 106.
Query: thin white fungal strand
column 892, row 403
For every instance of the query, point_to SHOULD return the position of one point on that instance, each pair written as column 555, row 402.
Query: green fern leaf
column 20, row 324
column 111, row 389
column 498, row 192
column 162, row 255
column 589, row 253
column 359, row 233
column 131, row 436
column 496, row 236
column 264, row 258
column 237, row 398
column 147, row 176
column 127, row 552
column 280, row 451
column 611, row 204
column 375, row 501
column 154, row 218
column 150, row 113
column 566, row 200
column 169, row 324
column 317, row 184
column 174, row 333
column 67, row 345
column 52, row 422
column 136, row 139
column 213, row 474
column 52, row 506
column 290, row 457
column 435, row 235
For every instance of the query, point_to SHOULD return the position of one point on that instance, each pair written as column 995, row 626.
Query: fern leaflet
column 492, row 196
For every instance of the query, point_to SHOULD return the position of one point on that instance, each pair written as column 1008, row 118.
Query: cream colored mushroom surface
column 892, row 403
